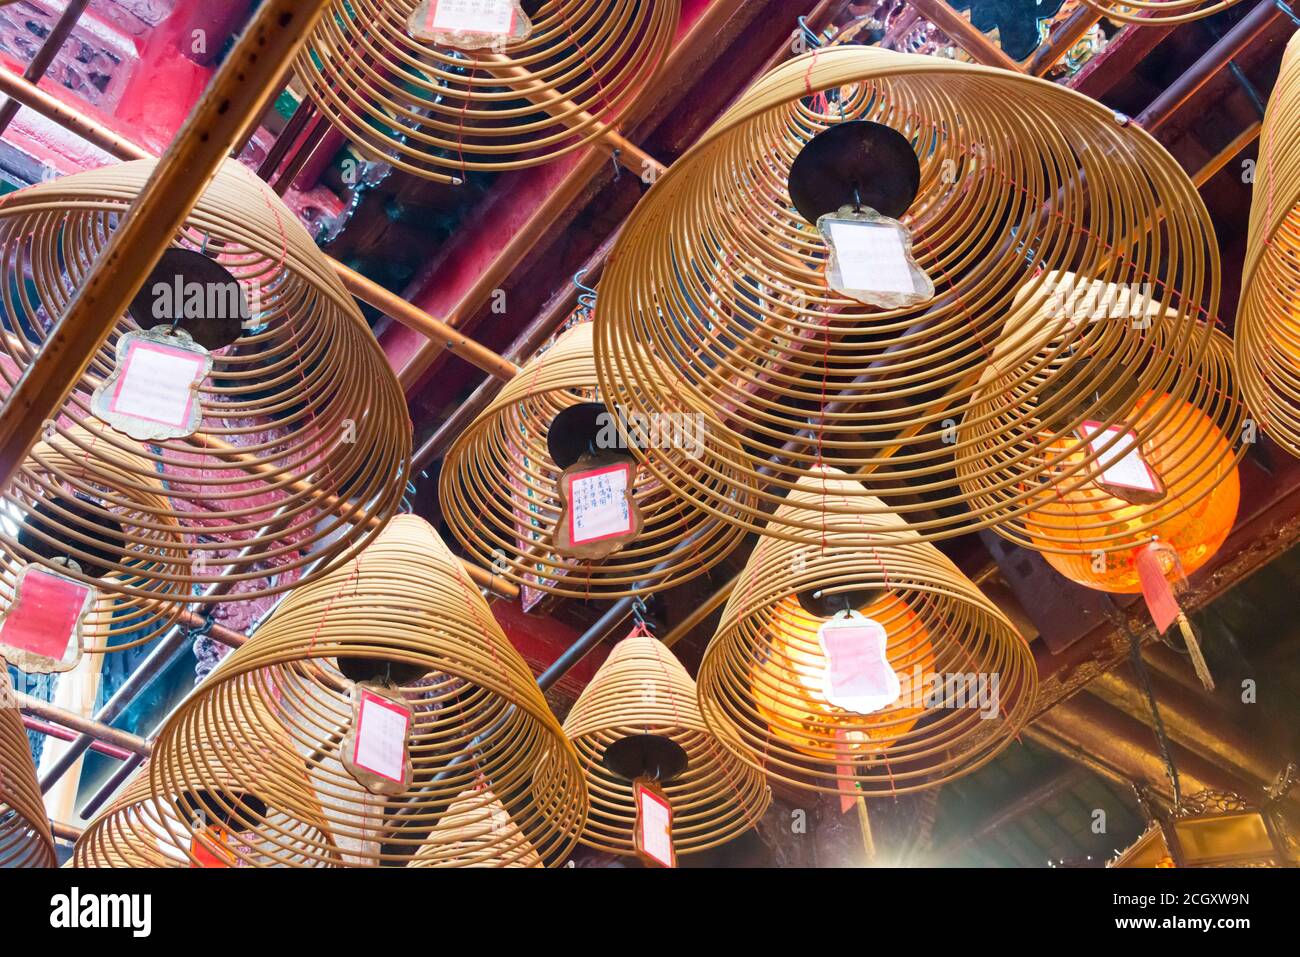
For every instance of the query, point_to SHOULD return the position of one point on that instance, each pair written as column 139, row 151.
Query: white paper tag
column 496, row 17
column 858, row 675
column 1122, row 464
column 872, row 256
column 153, row 392
column 655, row 819
column 598, row 504
column 381, row 738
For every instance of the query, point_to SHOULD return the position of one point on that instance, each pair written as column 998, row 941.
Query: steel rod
column 44, row 57
column 123, row 740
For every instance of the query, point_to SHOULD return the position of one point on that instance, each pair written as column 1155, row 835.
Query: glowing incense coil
column 1267, row 334
column 303, row 446
column 25, row 839
column 499, row 494
column 967, row 679
column 440, row 112
column 643, row 700
column 718, row 282
column 1036, row 400
column 476, row 831
column 406, row 611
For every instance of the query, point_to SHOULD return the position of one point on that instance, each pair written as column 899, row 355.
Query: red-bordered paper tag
column 598, row 505
column 376, row 750
column 858, row 676
column 210, row 847
column 469, row 24
column 653, row 834
column 152, row 394
column 41, row 630
column 1121, row 465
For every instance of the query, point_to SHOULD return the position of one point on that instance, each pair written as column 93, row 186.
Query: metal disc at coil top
column 185, row 276
column 642, row 755
column 856, row 163
column 581, row 429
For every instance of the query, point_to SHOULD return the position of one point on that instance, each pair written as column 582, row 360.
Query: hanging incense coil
column 1158, row 12
column 25, row 839
column 1191, row 445
column 966, row 678
column 499, row 488
column 406, row 611
column 303, row 446
column 216, row 802
column 1267, row 335
column 441, row 113
column 76, row 498
column 643, row 694
column 476, row 831
column 718, row 285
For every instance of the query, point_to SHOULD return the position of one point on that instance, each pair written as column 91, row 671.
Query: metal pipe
column 236, row 97
column 284, row 142
column 1075, row 27
column 123, row 740
column 109, row 787
column 1207, row 67
column 63, row 734
column 40, row 63
column 963, row 33
column 65, row 832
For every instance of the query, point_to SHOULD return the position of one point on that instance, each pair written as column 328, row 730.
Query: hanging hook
column 586, row 295
column 809, row 34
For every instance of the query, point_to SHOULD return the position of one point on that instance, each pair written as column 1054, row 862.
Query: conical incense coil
column 1158, row 12
column 1189, row 446
column 405, row 611
column 303, row 439
column 719, row 285
column 476, row 831
column 441, row 112
column 1267, row 334
column 25, row 839
column 642, row 689
column 499, row 487
column 966, row 678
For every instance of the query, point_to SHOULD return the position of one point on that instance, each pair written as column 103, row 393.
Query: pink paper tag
column 43, row 618
column 1157, row 591
column 655, row 826
column 598, row 504
column 858, row 677
column 494, row 17
column 382, row 729
column 848, row 790
column 157, row 383
column 1122, row 464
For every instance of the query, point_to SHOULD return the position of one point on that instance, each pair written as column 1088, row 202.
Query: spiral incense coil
column 304, row 444
column 1267, row 336
column 1034, row 390
column 967, row 679
column 642, row 689
column 499, row 488
column 1158, row 12
column 476, row 831
column 440, row 112
column 404, row 609
column 718, row 286
column 243, row 802
column 25, row 839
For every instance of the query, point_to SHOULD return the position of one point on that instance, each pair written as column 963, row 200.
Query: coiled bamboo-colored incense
column 499, row 488
column 1192, row 445
column 440, row 112
column 476, row 831
column 642, row 689
column 717, row 284
column 967, row 679
column 25, row 839
column 1135, row 12
column 1267, row 334
column 404, row 608
column 302, row 418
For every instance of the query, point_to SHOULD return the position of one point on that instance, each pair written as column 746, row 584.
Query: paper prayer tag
column 376, row 750
column 1121, row 466
column 210, row 847
column 153, row 392
column 41, row 631
column 871, row 259
column 858, row 676
column 653, row 833
column 469, row 24
column 599, row 514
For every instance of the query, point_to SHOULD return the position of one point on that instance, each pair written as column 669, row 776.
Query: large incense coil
column 1192, row 444
column 642, row 689
column 717, row 284
column 1158, row 12
column 25, row 839
column 74, row 481
column 440, row 112
column 258, row 796
column 1267, row 334
column 476, row 831
column 759, row 683
column 304, row 443
column 499, row 489
column 407, row 607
